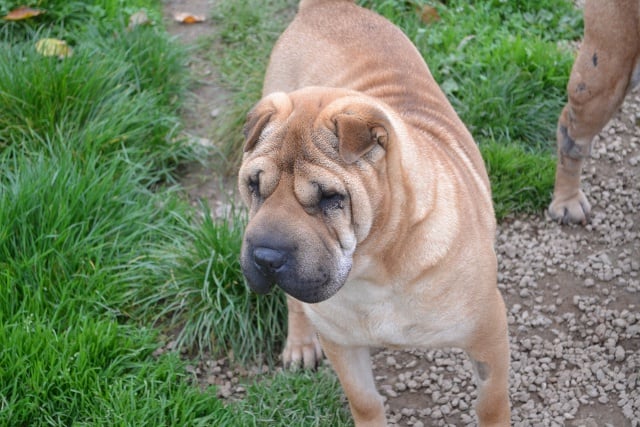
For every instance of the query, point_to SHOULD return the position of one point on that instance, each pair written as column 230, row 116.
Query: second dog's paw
column 570, row 210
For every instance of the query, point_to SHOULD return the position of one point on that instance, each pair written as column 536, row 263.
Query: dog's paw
column 571, row 210
column 302, row 352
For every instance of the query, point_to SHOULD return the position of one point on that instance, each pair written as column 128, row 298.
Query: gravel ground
column 572, row 292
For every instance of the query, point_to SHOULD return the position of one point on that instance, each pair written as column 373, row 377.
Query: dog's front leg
column 302, row 347
column 490, row 356
column 353, row 367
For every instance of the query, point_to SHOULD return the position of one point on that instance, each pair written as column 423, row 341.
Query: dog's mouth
column 312, row 293
column 261, row 287
column 309, row 292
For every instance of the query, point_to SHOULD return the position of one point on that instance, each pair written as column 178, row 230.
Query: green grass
column 114, row 92
column 97, row 372
column 91, row 234
column 69, row 19
column 501, row 64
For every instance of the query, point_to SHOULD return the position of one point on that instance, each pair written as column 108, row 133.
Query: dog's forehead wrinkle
column 301, row 143
column 292, row 147
column 321, row 146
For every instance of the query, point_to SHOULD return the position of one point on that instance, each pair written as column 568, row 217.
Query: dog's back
column 347, row 30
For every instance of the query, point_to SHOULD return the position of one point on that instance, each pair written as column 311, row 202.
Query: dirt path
column 573, row 293
column 206, row 99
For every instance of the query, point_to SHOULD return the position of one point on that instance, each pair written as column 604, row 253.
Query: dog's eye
column 331, row 201
column 254, row 184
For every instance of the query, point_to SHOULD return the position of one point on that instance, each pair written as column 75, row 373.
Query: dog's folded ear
column 255, row 123
column 261, row 114
column 360, row 127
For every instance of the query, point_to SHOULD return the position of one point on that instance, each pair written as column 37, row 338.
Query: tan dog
column 607, row 67
column 370, row 207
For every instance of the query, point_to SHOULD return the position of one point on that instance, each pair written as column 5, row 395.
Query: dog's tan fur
column 369, row 201
column 606, row 68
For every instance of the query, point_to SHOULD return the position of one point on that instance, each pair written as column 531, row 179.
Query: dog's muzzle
column 265, row 265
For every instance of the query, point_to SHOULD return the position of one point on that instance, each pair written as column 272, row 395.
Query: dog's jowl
column 370, row 207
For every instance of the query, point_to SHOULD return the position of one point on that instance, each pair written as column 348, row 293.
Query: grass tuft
column 520, row 179
column 68, row 226
column 94, row 373
column 117, row 93
column 210, row 302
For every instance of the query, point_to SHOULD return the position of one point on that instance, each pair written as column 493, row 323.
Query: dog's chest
column 366, row 314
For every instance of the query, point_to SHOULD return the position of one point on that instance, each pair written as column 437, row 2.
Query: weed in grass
column 549, row 20
column 501, row 83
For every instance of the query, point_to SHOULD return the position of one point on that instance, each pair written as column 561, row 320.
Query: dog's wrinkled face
column 312, row 159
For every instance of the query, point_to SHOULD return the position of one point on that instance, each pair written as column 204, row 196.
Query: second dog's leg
column 600, row 78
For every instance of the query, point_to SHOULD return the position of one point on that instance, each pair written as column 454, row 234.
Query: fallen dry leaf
column 23, row 12
column 429, row 14
column 188, row 18
column 54, row 47
column 138, row 19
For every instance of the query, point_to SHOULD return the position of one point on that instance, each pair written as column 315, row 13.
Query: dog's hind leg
column 490, row 356
column 354, row 370
column 602, row 74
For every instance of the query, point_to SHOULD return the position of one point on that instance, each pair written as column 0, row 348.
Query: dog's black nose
column 269, row 260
